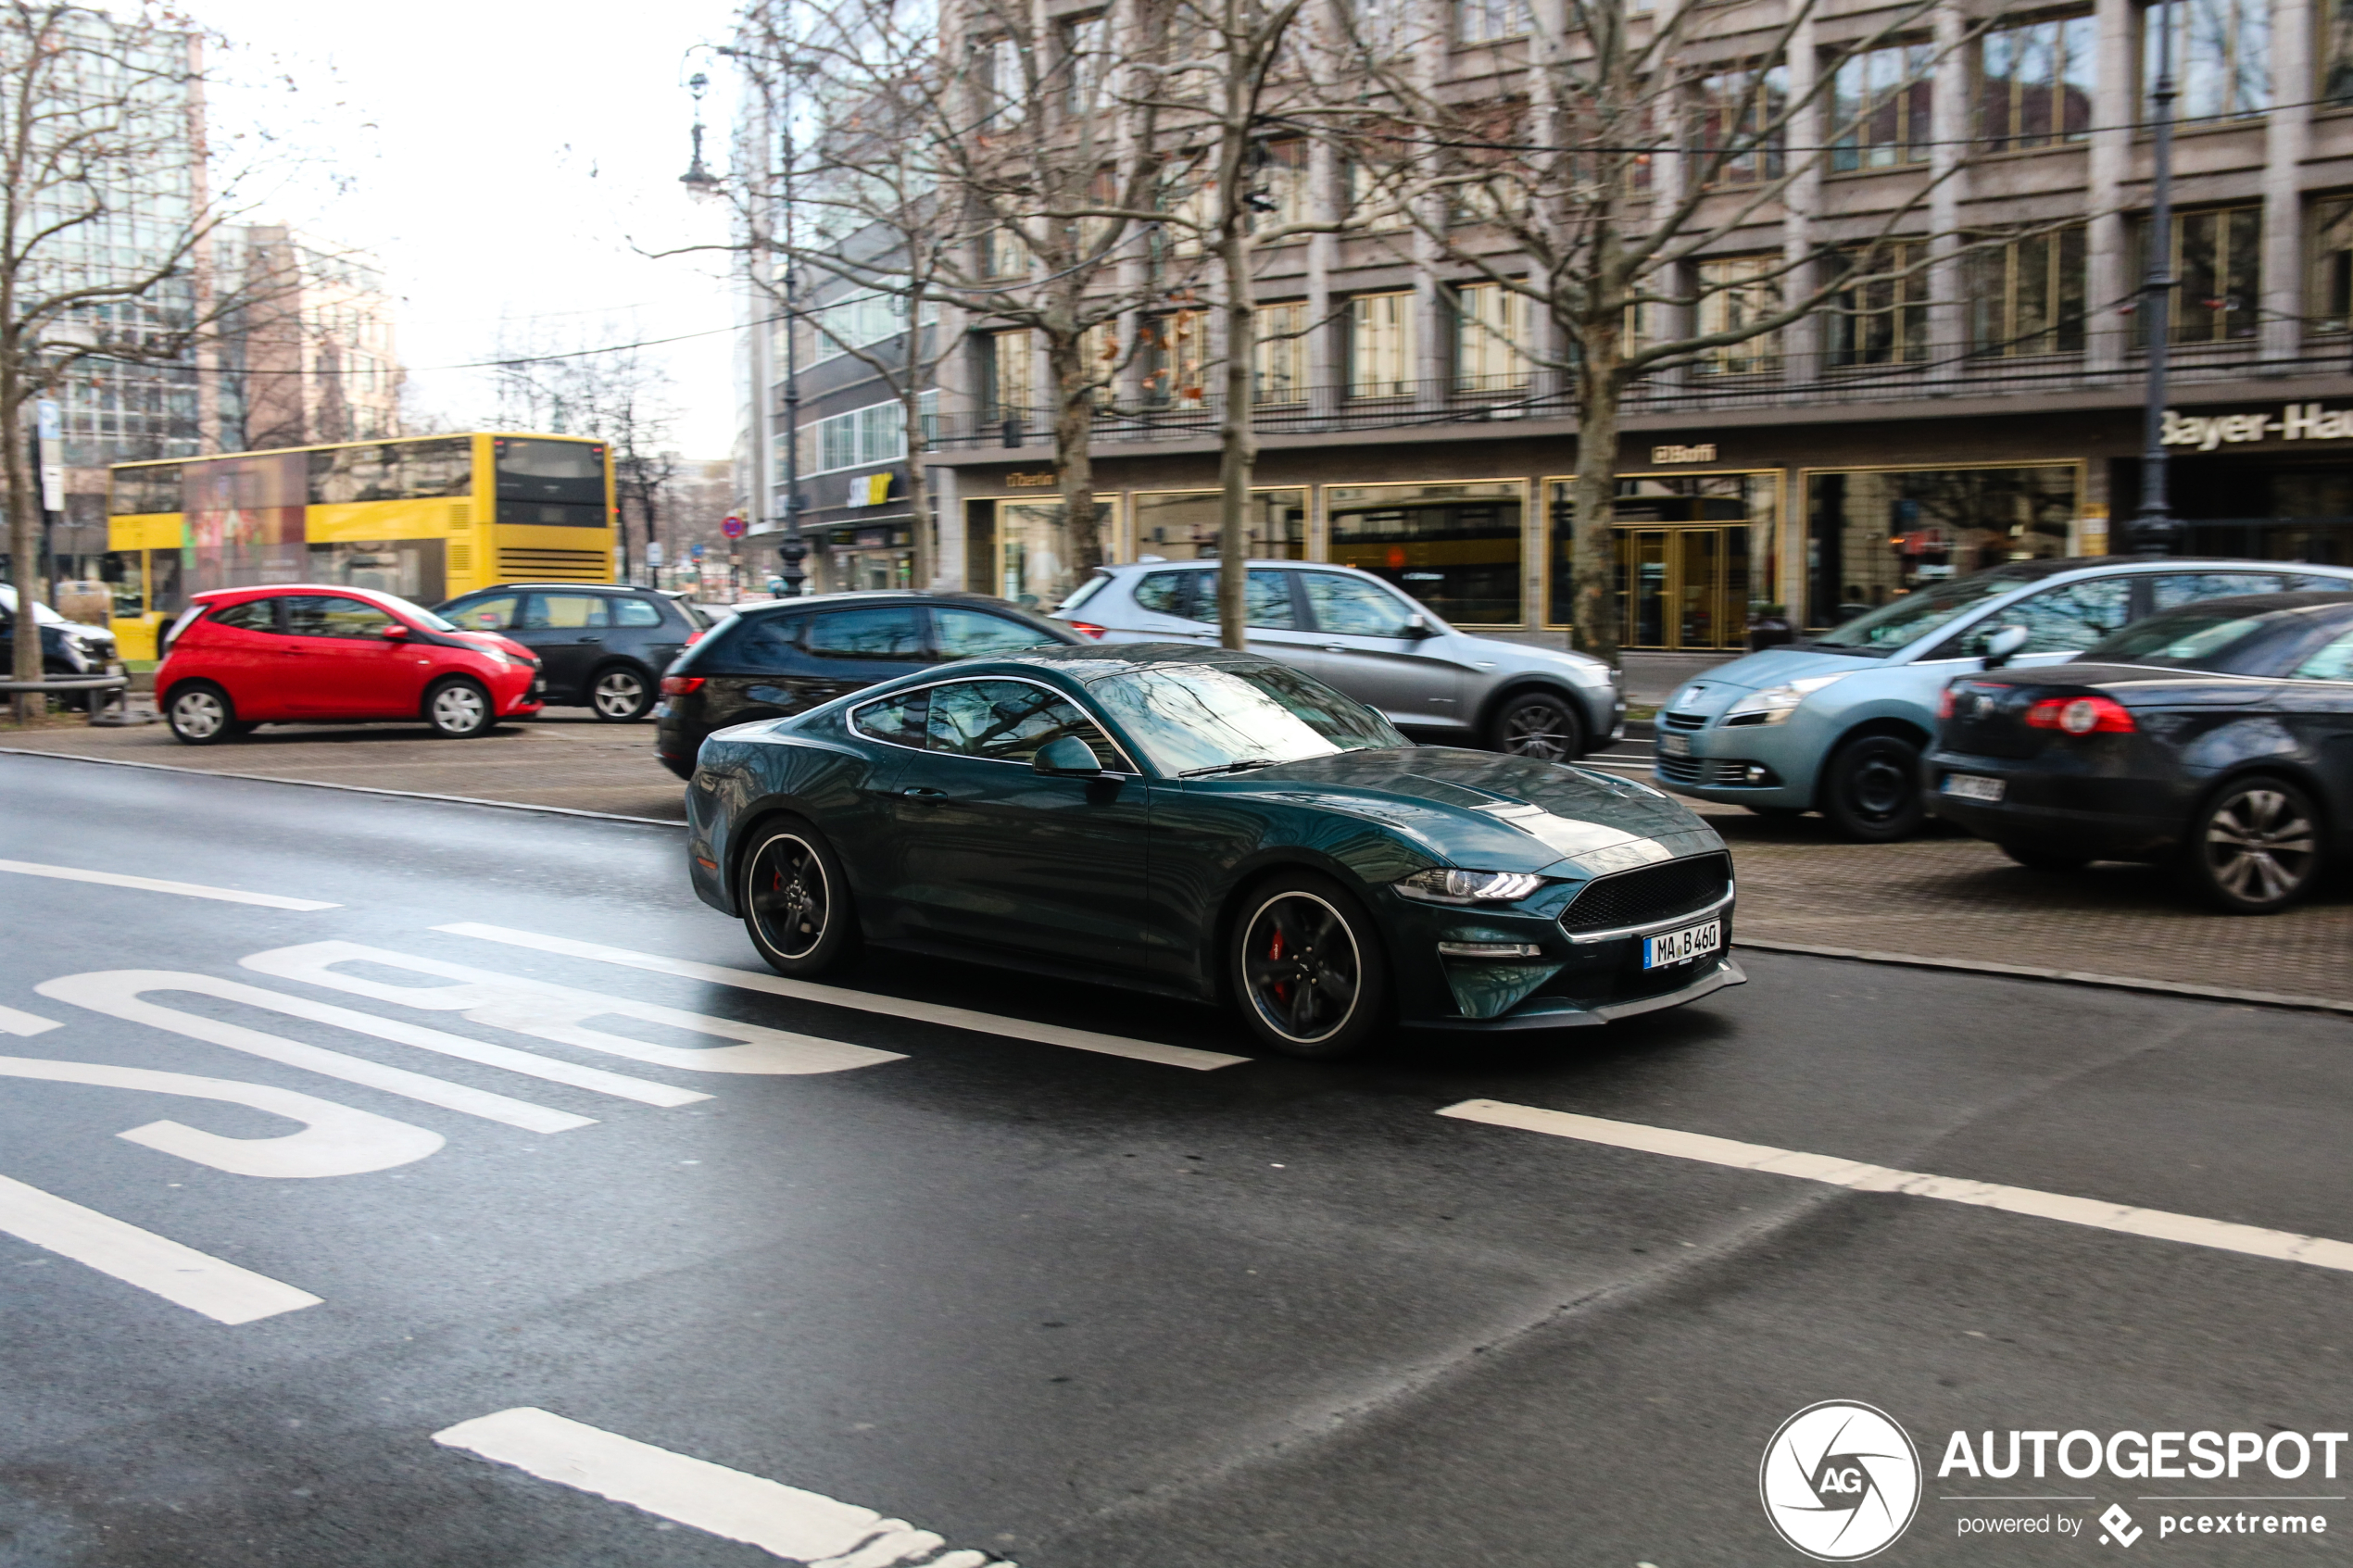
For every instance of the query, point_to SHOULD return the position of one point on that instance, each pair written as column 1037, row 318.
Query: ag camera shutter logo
column 1841, row 1481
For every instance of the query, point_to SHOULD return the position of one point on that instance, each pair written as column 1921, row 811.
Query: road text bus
column 424, row 518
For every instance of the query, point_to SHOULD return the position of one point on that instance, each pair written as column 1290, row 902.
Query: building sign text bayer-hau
column 2297, row 421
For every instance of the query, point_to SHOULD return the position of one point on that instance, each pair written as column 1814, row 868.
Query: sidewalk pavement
column 1941, row 899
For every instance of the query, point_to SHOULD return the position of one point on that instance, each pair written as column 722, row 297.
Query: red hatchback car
column 304, row 653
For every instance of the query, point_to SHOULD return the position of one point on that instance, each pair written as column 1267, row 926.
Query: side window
column 1165, row 593
column 899, row 719
column 2331, row 661
column 566, row 612
column 764, row 642
column 892, row 631
column 487, row 615
column 2188, row 587
column 1007, row 720
column 967, row 633
column 254, row 615
column 635, row 612
column 319, row 615
column 1351, row 607
column 2312, row 583
column 2068, row 619
column 1266, row 601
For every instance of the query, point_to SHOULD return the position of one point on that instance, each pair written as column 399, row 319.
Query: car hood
column 1714, row 690
column 1476, row 810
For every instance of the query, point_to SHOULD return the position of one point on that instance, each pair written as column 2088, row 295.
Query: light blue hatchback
column 1838, row 724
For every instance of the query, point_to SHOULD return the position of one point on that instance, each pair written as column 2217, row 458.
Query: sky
column 509, row 162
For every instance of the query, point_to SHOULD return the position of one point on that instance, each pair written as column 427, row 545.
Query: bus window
column 391, row 471
column 145, row 491
column 550, row 471
column 436, row 468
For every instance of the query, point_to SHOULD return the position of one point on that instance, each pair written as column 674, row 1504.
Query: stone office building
column 1988, row 408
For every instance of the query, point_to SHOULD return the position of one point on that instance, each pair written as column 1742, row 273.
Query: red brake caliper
column 1276, row 952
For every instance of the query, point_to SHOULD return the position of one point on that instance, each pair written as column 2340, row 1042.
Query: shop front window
column 1454, row 547
column 1037, row 564
column 1875, row 535
column 1182, row 524
column 1695, row 556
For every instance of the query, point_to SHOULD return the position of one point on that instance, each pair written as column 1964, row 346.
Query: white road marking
column 157, row 885
column 784, row 1521
column 866, row 1001
column 2157, row 1224
column 118, row 992
column 197, row 1281
column 15, row 1022
column 336, row 1140
column 548, row 1011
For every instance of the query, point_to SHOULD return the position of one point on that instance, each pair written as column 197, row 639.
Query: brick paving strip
column 1941, row 900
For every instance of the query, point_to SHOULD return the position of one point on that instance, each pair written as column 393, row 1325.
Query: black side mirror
column 2004, row 646
column 1066, row 757
column 1418, row 627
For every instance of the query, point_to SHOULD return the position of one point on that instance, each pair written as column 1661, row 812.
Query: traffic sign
column 732, row 527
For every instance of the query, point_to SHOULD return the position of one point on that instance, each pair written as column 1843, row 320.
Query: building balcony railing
column 1426, row 405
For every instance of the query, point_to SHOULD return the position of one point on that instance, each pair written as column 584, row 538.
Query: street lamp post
column 2155, row 527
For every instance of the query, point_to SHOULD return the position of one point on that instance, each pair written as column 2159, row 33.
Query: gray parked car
column 1351, row 630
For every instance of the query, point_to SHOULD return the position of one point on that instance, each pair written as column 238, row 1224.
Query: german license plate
column 1675, row 745
column 1683, row 946
column 1973, row 787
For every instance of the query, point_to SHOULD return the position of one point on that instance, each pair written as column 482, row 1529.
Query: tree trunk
column 1074, row 456
column 1238, row 443
column 1594, row 497
column 24, row 549
column 922, row 543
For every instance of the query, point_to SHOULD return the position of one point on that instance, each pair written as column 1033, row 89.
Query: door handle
column 920, row 792
column 592, row 639
column 1335, row 647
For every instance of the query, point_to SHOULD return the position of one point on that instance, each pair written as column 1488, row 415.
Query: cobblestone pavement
column 1943, row 897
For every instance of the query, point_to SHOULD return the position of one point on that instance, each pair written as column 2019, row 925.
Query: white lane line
column 15, row 1022
column 866, row 1001
column 2157, row 1224
column 783, row 1521
column 157, row 885
column 117, row 993
column 197, row 1281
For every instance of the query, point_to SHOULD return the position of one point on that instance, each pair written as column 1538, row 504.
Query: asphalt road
column 1055, row 1305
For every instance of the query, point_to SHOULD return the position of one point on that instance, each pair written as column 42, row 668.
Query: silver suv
column 1351, row 630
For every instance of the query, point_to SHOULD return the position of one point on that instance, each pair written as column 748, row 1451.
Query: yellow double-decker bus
column 424, row 518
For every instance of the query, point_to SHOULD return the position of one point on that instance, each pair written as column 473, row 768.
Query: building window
column 2035, row 84
column 1491, row 338
column 1484, row 22
column 1182, row 524
column 2330, row 301
column 1012, row 374
column 1281, row 195
column 1875, row 535
column 2026, row 295
column 1882, row 317
column 1002, row 255
column 1281, row 360
column 1735, row 292
column 1005, row 83
column 1880, row 108
column 2217, row 267
column 1086, row 50
column 876, row 433
column 2222, row 56
column 1454, row 547
column 1174, row 358
column 1372, row 206
column 2335, row 28
column 1380, row 345
column 854, row 323
column 1740, row 120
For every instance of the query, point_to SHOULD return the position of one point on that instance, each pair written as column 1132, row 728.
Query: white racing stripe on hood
column 1601, row 848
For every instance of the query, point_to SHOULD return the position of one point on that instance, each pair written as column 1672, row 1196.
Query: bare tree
column 617, row 394
column 100, row 128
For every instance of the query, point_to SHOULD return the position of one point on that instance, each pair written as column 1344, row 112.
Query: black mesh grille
column 1654, row 893
column 1684, row 720
column 1721, row 771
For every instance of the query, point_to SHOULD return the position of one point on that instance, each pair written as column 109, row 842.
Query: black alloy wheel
column 459, row 710
column 2255, row 847
column 1871, row 790
column 1307, row 968
column 201, row 714
column 2037, row 860
column 796, row 903
column 621, row 694
column 1537, row 724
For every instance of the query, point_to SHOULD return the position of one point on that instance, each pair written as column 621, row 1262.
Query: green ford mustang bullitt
column 1213, row 825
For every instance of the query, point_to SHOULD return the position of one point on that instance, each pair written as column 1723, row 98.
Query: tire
column 1306, row 968
column 620, row 693
column 2035, row 860
column 2255, row 848
column 1871, row 790
column 1538, row 724
column 796, row 902
column 459, row 710
column 1778, row 813
column 201, row 714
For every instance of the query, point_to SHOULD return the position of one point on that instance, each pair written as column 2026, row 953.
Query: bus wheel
column 459, row 710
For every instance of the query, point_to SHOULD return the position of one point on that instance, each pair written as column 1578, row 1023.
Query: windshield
column 418, row 614
column 2193, row 637
column 1893, row 625
column 1206, row 718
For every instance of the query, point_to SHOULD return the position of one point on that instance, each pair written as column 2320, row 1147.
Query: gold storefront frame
column 1787, row 556
column 1133, row 545
column 1320, row 533
column 1113, row 530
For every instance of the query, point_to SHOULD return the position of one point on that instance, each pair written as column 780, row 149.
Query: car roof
column 568, row 588
column 2303, row 601
column 1112, row 659
column 1208, row 563
column 263, row 590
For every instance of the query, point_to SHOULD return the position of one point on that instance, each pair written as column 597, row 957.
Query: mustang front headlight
column 1775, row 704
column 1443, row 884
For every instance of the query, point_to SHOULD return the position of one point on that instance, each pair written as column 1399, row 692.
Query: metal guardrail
column 115, row 706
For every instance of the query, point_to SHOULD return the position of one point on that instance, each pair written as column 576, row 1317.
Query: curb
column 349, row 789
column 2069, row 976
